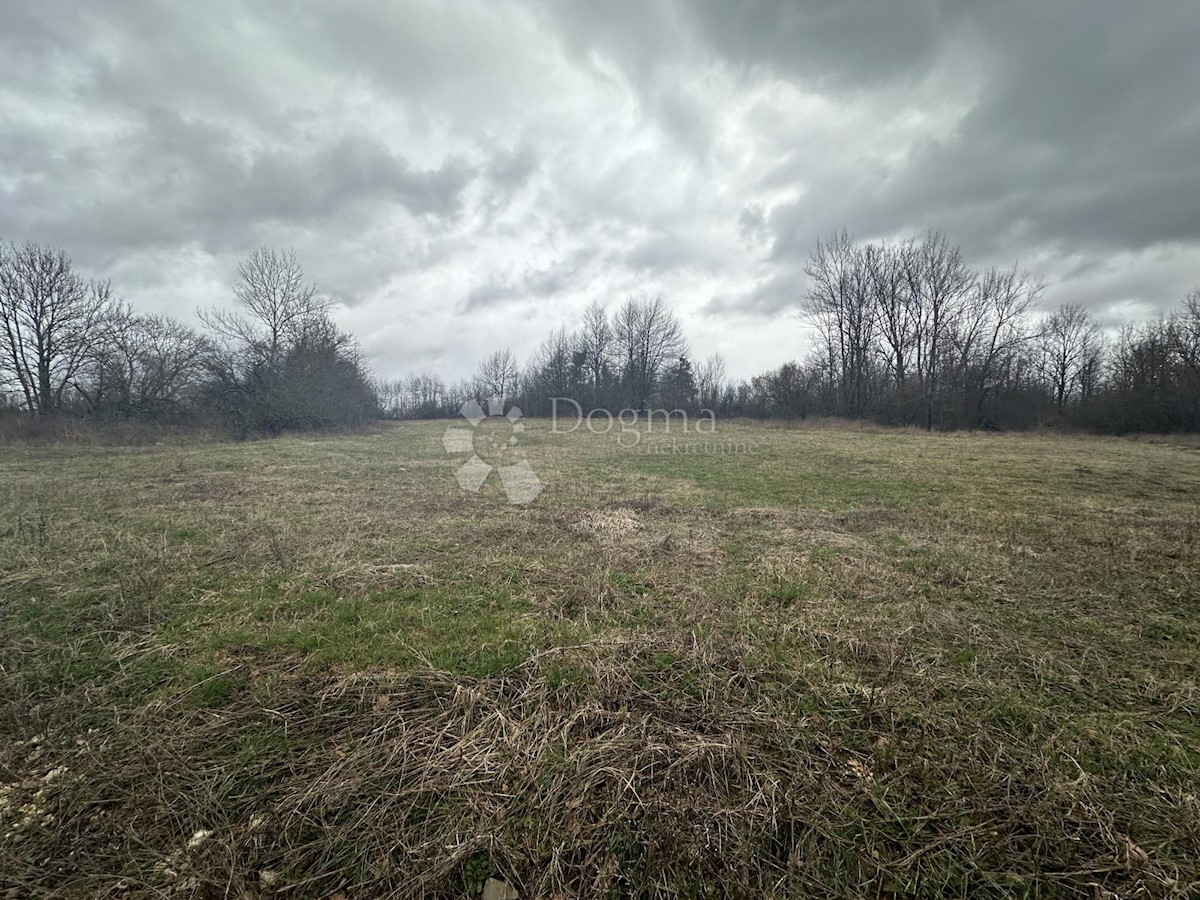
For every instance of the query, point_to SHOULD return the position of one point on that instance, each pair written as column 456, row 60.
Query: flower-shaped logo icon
column 491, row 441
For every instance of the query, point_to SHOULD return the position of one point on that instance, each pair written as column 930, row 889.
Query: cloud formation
column 462, row 176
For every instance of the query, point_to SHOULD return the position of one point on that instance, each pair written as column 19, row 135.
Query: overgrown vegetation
column 69, row 349
column 833, row 664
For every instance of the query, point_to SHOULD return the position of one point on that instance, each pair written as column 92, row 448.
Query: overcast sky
column 463, row 176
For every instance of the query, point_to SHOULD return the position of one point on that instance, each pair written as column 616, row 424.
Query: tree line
column 634, row 358
column 907, row 334
column 69, row 347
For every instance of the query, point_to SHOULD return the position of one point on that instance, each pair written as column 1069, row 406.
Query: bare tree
column 1185, row 333
column 552, row 372
column 497, row 376
column 282, row 362
column 940, row 282
column 991, row 329
column 1068, row 345
column 782, row 392
column 710, row 382
column 427, row 393
column 840, row 304
column 898, row 316
column 277, row 303
column 646, row 335
column 595, row 345
column 392, row 395
column 148, row 366
column 1185, row 343
column 415, row 397
column 49, row 318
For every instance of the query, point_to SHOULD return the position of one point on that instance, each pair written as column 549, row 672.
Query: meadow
column 795, row 662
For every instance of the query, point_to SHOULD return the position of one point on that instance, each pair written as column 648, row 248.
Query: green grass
column 985, row 648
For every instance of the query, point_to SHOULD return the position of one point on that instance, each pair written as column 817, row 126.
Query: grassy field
column 806, row 663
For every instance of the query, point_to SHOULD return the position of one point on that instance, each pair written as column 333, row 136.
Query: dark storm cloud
column 1083, row 137
column 312, row 184
column 516, row 159
column 172, row 180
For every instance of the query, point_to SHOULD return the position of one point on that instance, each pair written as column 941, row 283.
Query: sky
column 461, row 177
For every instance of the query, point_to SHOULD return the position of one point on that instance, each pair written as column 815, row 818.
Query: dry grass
column 584, row 771
column 842, row 665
